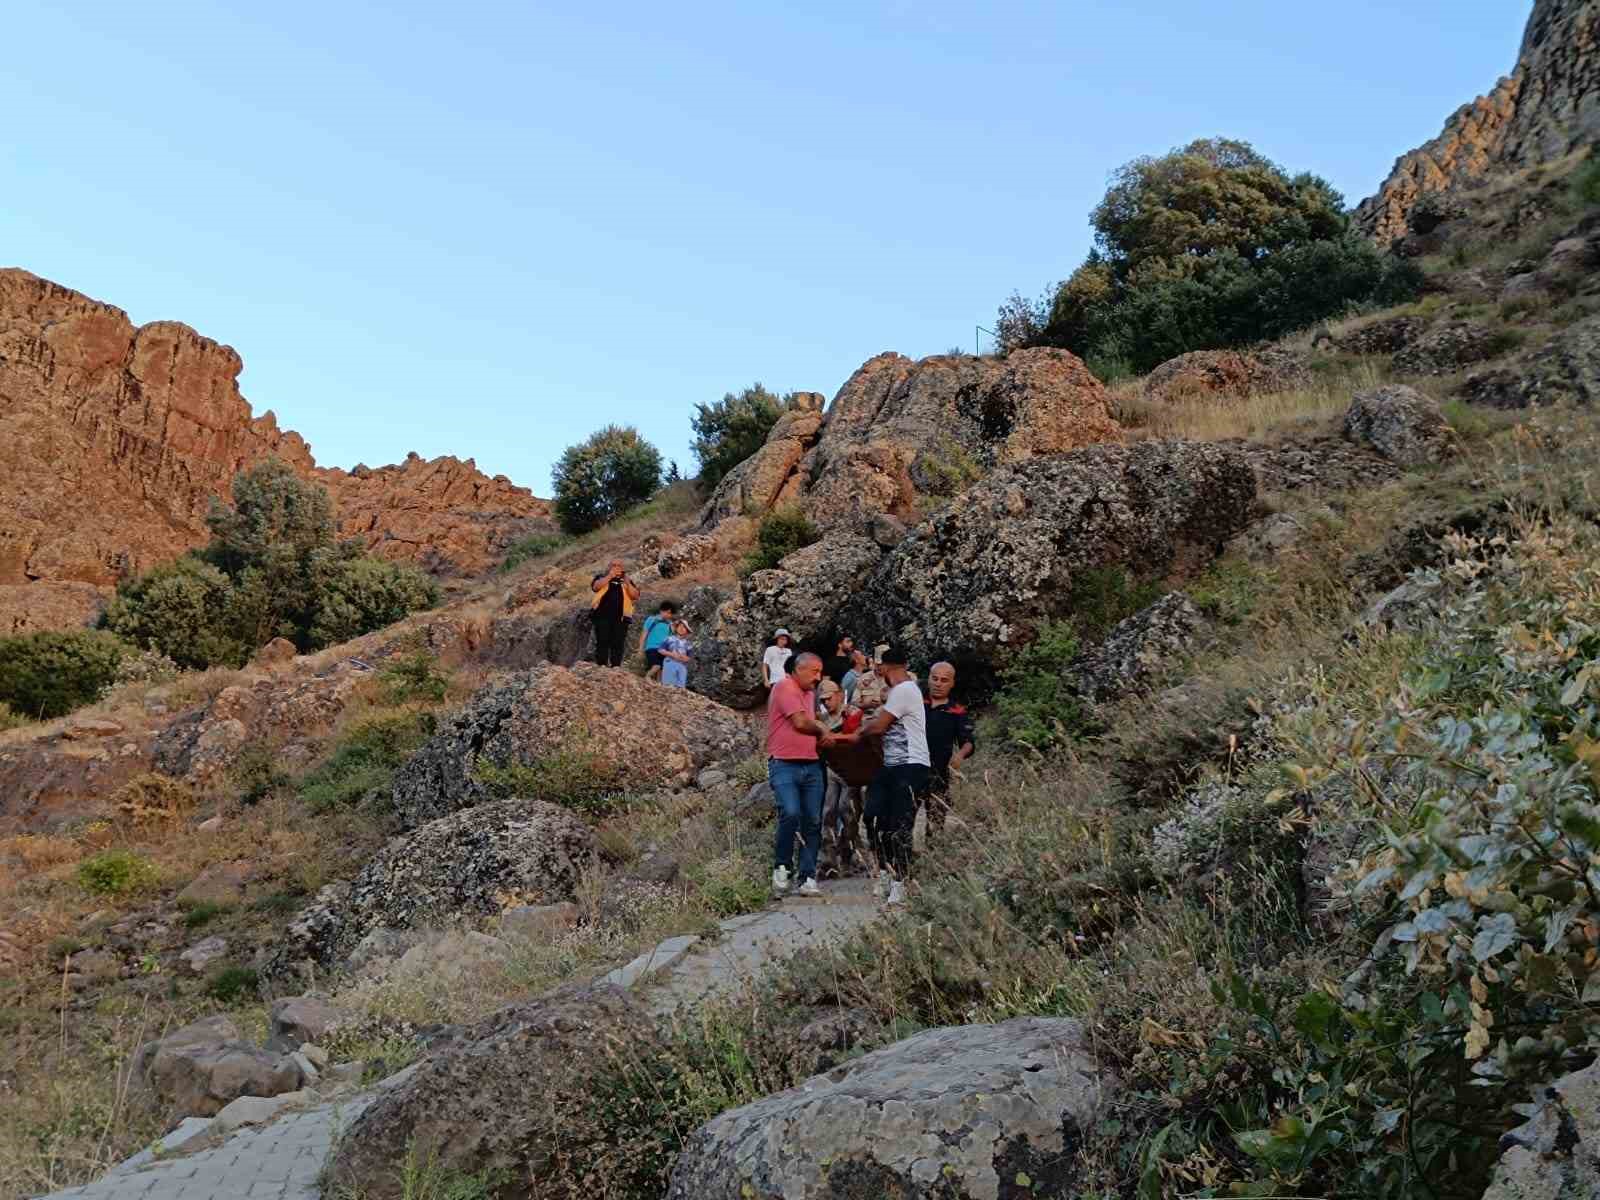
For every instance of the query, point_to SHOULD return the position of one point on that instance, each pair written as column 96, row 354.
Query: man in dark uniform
column 952, row 738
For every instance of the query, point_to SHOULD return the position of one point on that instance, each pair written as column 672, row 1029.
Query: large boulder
column 1400, row 423
column 201, row 1067
column 952, row 1114
column 974, row 582
column 1140, row 649
column 803, row 594
column 643, row 734
column 468, row 865
column 899, row 429
column 1203, row 373
column 1447, row 348
column 1555, row 1154
column 769, row 478
column 1565, row 369
column 494, row 1100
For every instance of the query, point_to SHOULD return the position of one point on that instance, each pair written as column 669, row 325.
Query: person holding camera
column 611, row 609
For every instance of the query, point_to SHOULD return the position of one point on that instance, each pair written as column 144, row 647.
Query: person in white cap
column 775, row 659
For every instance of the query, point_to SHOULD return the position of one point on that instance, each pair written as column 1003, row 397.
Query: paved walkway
column 282, row 1161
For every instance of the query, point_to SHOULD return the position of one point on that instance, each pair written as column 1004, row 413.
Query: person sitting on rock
column 611, row 608
column 952, row 739
column 795, row 773
column 774, row 663
column 892, row 796
column 676, row 654
column 657, row 630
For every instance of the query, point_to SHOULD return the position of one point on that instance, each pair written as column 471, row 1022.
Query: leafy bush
column 1210, row 245
column 535, row 545
column 1102, row 596
column 116, row 872
column 11, row 720
column 199, row 913
column 1586, row 182
column 735, row 427
column 255, row 773
column 271, row 569
column 732, row 884
column 414, row 676
column 151, row 798
column 48, row 674
column 947, row 469
column 601, row 478
column 233, row 983
column 365, row 759
column 576, row 776
column 781, row 533
column 1036, row 706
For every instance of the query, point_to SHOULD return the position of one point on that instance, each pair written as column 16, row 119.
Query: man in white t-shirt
column 891, row 809
column 775, row 661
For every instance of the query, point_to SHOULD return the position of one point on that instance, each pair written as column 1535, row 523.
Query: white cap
column 783, row 633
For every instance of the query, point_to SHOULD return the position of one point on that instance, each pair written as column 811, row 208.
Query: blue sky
column 485, row 229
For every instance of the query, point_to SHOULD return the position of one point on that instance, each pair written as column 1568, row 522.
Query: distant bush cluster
column 1210, row 245
column 272, row 569
column 781, row 533
column 48, row 674
column 735, row 427
column 602, row 477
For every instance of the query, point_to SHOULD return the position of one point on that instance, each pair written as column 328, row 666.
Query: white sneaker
column 810, row 888
column 780, row 879
column 897, row 893
column 880, row 886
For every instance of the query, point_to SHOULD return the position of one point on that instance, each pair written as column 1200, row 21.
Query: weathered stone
column 1382, row 336
column 768, row 478
column 1555, row 1154
column 468, row 864
column 1447, row 348
column 1139, row 649
column 199, row 957
column 87, row 728
column 275, row 653
column 639, row 733
column 1566, row 369
column 492, row 1100
column 296, row 1020
column 538, row 922
column 221, row 883
column 963, row 1112
column 203, row 1066
column 451, row 957
column 1400, row 423
column 89, row 967
column 975, row 581
column 378, row 947
column 1202, row 373
column 685, row 553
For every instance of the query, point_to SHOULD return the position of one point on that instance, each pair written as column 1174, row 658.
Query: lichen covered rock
column 1140, row 648
column 1400, row 423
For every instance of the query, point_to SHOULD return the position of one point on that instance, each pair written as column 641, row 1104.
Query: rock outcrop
column 466, row 865
column 1565, row 369
column 115, row 438
column 1140, row 649
column 1400, row 423
column 976, row 580
column 770, row 477
column 202, row 1067
column 497, row 1100
column 1202, row 373
column 1555, row 1154
column 645, row 734
column 978, row 1112
column 1546, row 108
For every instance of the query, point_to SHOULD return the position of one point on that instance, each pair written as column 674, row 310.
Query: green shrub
column 232, row 984
column 1102, row 596
column 535, row 545
column 414, row 676
column 732, row 884
column 604, row 476
column 271, row 569
column 575, row 776
column 948, row 469
column 116, row 872
column 781, row 533
column 12, row 720
column 199, row 913
column 365, row 759
column 735, row 427
column 1109, row 369
column 255, row 773
column 48, row 674
column 1036, row 705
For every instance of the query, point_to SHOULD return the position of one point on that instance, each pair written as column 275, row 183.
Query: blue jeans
column 798, row 788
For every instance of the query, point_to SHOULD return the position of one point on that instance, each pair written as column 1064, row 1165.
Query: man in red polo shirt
column 795, row 772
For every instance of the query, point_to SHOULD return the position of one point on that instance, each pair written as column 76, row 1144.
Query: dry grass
column 1260, row 416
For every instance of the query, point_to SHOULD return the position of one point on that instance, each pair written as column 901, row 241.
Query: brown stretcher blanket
column 856, row 762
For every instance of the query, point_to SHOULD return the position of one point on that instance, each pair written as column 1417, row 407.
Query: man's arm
column 878, row 724
column 631, row 588
column 600, row 581
column 966, row 740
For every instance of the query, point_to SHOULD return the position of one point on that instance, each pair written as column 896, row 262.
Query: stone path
column 282, row 1160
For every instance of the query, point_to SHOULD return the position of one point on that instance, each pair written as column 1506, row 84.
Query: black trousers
column 891, row 814
column 610, row 640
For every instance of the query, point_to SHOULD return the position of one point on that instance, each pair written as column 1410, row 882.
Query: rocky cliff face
column 114, row 438
column 1545, row 109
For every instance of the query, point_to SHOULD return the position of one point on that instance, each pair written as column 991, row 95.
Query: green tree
column 735, row 427
column 602, row 477
column 48, row 674
column 183, row 609
column 357, row 593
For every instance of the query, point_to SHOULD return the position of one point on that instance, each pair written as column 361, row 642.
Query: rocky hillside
column 115, row 438
column 1545, row 109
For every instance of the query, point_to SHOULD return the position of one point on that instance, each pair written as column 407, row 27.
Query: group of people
column 824, row 720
